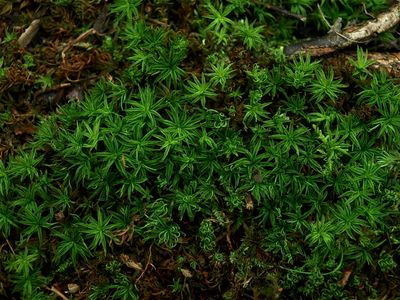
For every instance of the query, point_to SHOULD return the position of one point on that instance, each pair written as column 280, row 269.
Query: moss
column 202, row 161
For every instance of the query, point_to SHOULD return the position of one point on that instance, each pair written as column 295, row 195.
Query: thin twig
column 54, row 88
column 77, row 40
column 228, row 236
column 9, row 245
column 323, row 17
column 158, row 22
column 366, row 12
column 332, row 28
column 281, row 11
column 146, row 267
column 57, row 292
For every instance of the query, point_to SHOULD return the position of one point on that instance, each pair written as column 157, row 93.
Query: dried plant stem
column 280, row 10
column 146, row 267
column 77, row 40
column 57, row 292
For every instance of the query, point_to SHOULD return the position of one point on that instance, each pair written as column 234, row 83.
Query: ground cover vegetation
column 201, row 163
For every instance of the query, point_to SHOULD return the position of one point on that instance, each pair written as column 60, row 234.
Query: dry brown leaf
column 186, row 273
column 249, row 202
column 73, row 288
column 130, row 263
column 345, row 277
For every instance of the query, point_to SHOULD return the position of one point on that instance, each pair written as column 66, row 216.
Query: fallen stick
column 387, row 62
column 390, row 62
column 335, row 40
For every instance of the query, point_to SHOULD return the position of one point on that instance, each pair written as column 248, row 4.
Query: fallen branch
column 388, row 62
column 335, row 40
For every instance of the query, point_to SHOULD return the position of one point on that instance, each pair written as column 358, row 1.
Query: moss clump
column 208, row 164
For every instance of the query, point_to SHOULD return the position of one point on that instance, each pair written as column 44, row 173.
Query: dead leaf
column 130, row 263
column 186, row 273
column 59, row 216
column 24, row 129
column 345, row 277
column 249, row 202
column 73, row 288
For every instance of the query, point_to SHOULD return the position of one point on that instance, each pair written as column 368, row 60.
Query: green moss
column 242, row 164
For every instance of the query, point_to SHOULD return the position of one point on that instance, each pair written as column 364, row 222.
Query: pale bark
column 354, row 34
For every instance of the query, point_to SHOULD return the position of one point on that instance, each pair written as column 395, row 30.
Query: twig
column 57, row 292
column 323, row 17
column 281, row 11
column 332, row 28
column 358, row 33
column 387, row 61
column 54, row 88
column 228, row 236
column 77, row 40
column 146, row 267
column 366, row 12
column 158, row 22
column 9, row 245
